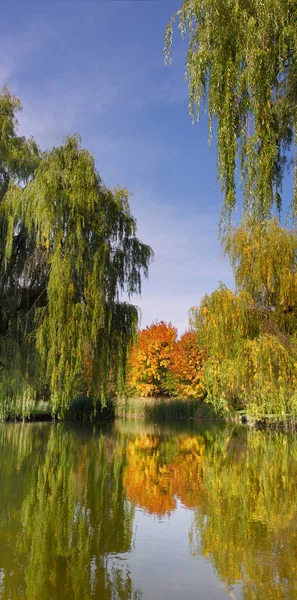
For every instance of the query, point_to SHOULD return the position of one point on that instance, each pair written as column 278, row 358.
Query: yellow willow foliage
column 262, row 378
column 264, row 261
column 223, row 320
column 268, row 377
column 249, row 335
column 247, row 520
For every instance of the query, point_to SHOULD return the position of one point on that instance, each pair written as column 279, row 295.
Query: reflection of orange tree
column 146, row 477
column 244, row 485
column 158, row 471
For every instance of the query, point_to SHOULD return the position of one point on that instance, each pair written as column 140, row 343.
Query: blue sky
column 98, row 68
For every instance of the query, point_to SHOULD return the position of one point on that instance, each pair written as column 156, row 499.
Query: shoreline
column 157, row 410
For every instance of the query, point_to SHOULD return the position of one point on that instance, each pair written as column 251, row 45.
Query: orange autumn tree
column 151, row 358
column 187, row 367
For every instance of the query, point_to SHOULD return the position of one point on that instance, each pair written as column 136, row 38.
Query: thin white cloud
column 100, row 102
column 63, row 108
column 63, row 102
column 188, row 260
column 16, row 51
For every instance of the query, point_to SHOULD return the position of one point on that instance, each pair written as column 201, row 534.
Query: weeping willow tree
column 69, row 250
column 242, row 63
column 250, row 334
column 18, row 160
column 264, row 261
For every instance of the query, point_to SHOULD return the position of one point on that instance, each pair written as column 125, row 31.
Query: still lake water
column 134, row 511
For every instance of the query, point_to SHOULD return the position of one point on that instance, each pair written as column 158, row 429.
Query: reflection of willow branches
column 70, row 518
column 247, row 520
column 17, row 444
column 64, row 515
column 243, row 484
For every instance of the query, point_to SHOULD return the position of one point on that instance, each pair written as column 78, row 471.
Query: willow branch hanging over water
column 242, row 62
column 69, row 251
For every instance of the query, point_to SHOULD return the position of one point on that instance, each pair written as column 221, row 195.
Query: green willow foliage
column 18, row 160
column 67, row 518
column 246, row 519
column 250, row 335
column 68, row 251
column 242, row 62
column 264, row 261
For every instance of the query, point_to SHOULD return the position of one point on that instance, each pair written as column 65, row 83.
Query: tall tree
column 69, row 250
column 18, row 160
column 242, row 62
column 250, row 336
column 151, row 357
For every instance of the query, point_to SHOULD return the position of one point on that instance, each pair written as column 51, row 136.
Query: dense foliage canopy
column 242, row 62
column 150, row 359
column 250, row 335
column 186, row 368
column 162, row 365
column 68, row 251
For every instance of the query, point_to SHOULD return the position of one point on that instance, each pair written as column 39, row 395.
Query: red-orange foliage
column 158, row 472
column 187, row 367
column 147, row 478
column 150, row 359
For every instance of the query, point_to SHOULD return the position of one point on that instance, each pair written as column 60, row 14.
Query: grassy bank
column 164, row 409
column 161, row 409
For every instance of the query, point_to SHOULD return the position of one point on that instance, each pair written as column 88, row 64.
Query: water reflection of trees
column 161, row 469
column 242, row 485
column 63, row 516
column 66, row 508
column 247, row 524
